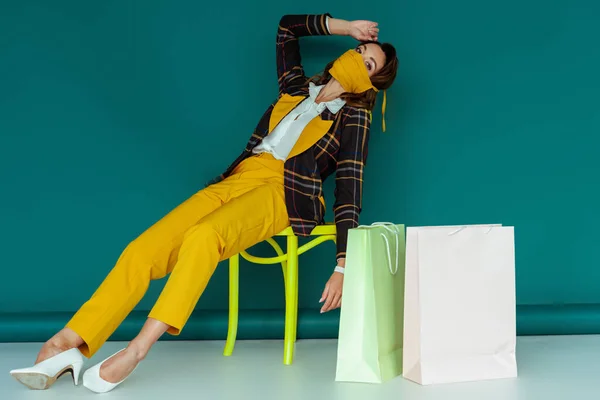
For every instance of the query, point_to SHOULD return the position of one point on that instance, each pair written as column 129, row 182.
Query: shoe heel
column 77, row 367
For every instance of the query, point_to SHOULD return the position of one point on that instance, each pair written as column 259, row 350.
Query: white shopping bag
column 460, row 306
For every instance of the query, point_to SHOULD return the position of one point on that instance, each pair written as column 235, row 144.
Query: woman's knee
column 201, row 234
column 136, row 256
column 200, row 230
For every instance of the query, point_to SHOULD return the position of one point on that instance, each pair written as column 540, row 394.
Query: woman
column 316, row 127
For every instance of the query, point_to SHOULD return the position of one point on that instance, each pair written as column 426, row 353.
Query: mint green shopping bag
column 371, row 320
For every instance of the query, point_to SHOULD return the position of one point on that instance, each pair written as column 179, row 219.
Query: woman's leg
column 244, row 221
column 151, row 256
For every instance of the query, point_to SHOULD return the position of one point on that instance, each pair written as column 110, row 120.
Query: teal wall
column 112, row 112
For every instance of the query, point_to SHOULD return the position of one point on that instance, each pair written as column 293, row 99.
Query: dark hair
column 382, row 80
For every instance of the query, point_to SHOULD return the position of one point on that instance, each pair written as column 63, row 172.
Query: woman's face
column 373, row 56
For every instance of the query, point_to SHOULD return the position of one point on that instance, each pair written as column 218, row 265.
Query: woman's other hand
column 332, row 295
column 359, row 30
column 364, row 30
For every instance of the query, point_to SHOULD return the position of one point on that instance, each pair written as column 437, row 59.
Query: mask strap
column 383, row 105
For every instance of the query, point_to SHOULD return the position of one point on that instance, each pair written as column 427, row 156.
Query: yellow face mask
column 350, row 71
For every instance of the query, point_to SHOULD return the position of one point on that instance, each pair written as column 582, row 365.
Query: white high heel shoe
column 93, row 381
column 44, row 374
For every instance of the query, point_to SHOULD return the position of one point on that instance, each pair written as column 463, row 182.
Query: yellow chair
column 289, row 263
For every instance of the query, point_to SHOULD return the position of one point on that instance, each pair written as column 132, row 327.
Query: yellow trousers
column 213, row 225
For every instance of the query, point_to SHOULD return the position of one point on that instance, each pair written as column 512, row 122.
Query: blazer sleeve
column 352, row 158
column 289, row 63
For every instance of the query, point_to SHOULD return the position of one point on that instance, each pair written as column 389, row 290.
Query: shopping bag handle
column 466, row 226
column 394, row 229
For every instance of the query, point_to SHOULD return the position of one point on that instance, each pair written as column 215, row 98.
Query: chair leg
column 234, row 277
column 296, row 290
column 291, row 296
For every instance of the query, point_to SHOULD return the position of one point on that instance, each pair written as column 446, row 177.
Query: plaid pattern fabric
column 342, row 150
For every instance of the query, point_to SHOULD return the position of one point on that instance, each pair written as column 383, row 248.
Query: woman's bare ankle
column 66, row 339
column 138, row 349
column 71, row 337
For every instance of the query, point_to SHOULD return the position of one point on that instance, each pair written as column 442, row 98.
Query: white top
column 285, row 135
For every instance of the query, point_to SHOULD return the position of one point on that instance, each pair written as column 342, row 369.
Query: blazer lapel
column 283, row 107
column 315, row 130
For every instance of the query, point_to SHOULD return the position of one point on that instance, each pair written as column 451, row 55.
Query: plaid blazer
column 342, row 150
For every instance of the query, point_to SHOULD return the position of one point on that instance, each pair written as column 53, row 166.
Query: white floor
column 550, row 368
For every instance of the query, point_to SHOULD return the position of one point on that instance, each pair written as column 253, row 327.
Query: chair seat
column 325, row 229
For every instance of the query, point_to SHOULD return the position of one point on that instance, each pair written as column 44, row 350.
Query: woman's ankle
column 152, row 330
column 138, row 348
column 66, row 339
column 57, row 344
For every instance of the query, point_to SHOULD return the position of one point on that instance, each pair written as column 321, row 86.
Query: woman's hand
column 363, row 30
column 332, row 295
column 359, row 30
